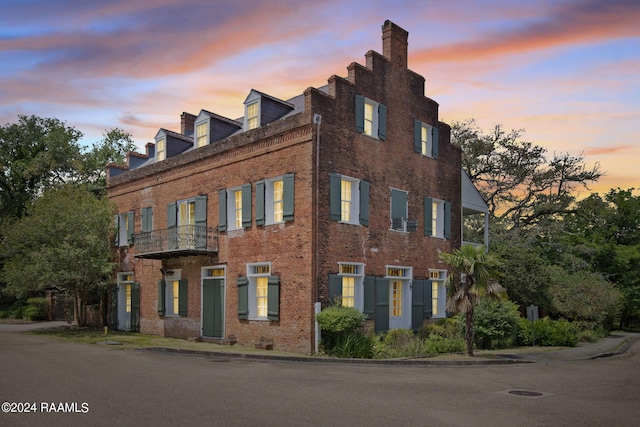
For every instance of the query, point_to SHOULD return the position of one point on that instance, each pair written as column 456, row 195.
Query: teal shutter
column 364, row 203
column 382, row 122
column 130, row 227
column 200, row 220
column 398, row 208
column 243, row 298
column 435, row 138
column 183, row 301
column 147, row 219
column 428, row 299
column 135, row 307
column 222, row 210
column 335, row 288
column 273, row 298
column 116, row 234
column 369, row 297
column 161, row 297
column 172, row 219
column 417, row 303
column 289, row 197
column 382, row 304
column 260, row 202
column 417, row 136
column 428, row 216
column 246, row 205
column 447, row 220
column 359, row 113
column 335, row 197
column 113, row 306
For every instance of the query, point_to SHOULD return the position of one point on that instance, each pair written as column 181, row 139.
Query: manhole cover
column 526, row 393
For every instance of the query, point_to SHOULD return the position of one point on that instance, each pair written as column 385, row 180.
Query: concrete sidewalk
column 614, row 344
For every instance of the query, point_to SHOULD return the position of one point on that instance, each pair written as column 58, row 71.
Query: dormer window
column 202, row 134
column 161, row 152
column 253, row 115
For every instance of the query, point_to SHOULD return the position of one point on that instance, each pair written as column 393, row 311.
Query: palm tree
column 478, row 271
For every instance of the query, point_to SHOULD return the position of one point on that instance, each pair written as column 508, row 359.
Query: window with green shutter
column 371, row 118
column 161, row 298
column 243, row 298
column 273, row 298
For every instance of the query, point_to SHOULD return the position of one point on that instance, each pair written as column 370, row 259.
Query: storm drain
column 528, row 394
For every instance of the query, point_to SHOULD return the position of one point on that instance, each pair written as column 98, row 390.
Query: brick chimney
column 186, row 124
column 394, row 44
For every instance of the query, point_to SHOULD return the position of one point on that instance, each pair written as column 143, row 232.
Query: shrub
column 436, row 344
column 353, row 344
column 446, row 328
column 34, row 313
column 403, row 343
column 548, row 332
column 337, row 323
column 41, row 303
column 495, row 324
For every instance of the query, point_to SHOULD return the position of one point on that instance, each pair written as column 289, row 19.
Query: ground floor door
column 128, row 306
column 399, row 304
column 213, row 307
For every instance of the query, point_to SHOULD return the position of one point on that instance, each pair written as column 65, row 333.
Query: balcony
column 186, row 240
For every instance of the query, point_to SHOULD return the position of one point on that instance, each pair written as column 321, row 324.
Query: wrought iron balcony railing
column 178, row 241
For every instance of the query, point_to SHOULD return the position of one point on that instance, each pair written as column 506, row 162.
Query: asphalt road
column 104, row 385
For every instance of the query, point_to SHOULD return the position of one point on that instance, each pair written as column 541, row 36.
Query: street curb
column 623, row 348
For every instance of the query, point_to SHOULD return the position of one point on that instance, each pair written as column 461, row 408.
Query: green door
column 213, row 308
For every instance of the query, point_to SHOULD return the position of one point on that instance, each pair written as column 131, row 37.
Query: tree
column 477, row 271
column 515, row 178
column 61, row 241
column 35, row 154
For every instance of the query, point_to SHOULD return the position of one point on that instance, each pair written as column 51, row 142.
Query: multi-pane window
column 201, row 134
column 278, row 201
column 368, row 118
column 186, row 212
column 438, row 293
column 161, row 153
column 346, row 287
column 348, row 291
column 172, row 295
column 253, row 119
column 175, row 296
column 425, row 139
column 437, row 218
column 346, row 200
column 258, row 275
column 261, row 296
column 396, row 303
column 237, row 194
column 124, row 226
column 371, row 118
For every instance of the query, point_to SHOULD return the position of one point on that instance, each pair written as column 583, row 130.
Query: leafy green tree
column 477, row 272
column 35, row 154
column 61, row 241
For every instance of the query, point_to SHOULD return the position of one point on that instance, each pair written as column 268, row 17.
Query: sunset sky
column 568, row 72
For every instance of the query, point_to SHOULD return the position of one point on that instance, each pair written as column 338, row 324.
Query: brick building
column 241, row 229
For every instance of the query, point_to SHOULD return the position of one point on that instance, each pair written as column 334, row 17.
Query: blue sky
column 568, row 72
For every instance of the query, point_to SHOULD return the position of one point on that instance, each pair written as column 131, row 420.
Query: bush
column 403, row 343
column 495, row 324
column 353, row 344
column 41, row 303
column 34, row 313
column 339, row 325
column 446, row 328
column 548, row 332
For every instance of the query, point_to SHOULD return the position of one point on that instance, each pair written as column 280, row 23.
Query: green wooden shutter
column 172, row 220
column 382, row 122
column 359, row 113
column 447, row 220
column 183, row 301
column 273, row 298
column 161, row 297
column 435, row 138
column 428, row 216
column 246, row 205
column 222, row 210
column 335, row 197
column 147, row 219
column 260, row 185
column 135, row 307
column 335, row 288
column 417, row 303
column 116, row 234
column 113, row 306
column 130, row 227
column 200, row 220
column 382, row 304
column 289, row 196
column 398, row 208
column 428, row 299
column 369, row 297
column 243, row 298
column 417, row 136
column 364, row 202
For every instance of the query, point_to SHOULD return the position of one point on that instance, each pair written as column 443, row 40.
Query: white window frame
column 255, row 271
column 201, row 139
column 437, row 218
column 123, row 228
column 426, row 137
column 353, row 270
column 234, row 212
column 373, row 121
column 438, row 293
column 270, row 202
column 253, row 121
column 354, row 217
column 161, row 149
column 171, row 300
